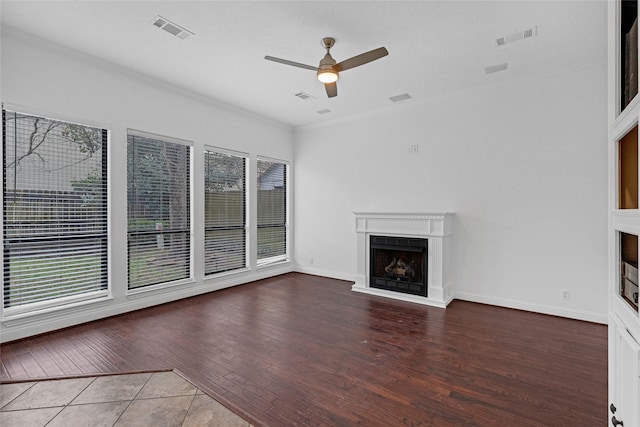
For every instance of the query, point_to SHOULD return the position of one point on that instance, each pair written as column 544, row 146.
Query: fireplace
column 398, row 264
column 405, row 256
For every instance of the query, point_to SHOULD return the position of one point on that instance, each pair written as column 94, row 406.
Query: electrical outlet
column 565, row 294
column 310, row 260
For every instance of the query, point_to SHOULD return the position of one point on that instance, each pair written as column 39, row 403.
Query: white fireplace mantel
column 436, row 227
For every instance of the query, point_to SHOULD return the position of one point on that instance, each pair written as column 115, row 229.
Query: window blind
column 55, row 211
column 158, row 211
column 225, row 212
column 272, row 210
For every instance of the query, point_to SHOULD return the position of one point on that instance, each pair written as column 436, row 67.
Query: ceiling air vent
column 171, row 28
column 495, row 68
column 303, row 95
column 521, row 35
column 402, row 97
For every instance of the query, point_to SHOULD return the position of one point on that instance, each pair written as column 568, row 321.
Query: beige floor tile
column 165, row 384
column 161, row 399
column 112, row 388
column 28, row 417
column 90, row 415
column 161, row 412
column 47, row 394
column 8, row 392
column 205, row 412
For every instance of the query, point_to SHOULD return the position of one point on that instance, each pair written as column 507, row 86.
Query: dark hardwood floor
column 301, row 350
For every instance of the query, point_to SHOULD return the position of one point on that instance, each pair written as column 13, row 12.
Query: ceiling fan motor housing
column 327, row 65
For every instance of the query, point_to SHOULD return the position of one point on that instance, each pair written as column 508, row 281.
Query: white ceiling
column 435, row 47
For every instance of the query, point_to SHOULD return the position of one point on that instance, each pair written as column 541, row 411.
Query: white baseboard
column 325, row 273
column 536, row 308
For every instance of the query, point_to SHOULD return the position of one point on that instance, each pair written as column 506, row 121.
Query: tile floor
column 144, row 399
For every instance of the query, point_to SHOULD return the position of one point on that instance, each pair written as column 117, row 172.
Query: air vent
column 399, row 98
column 171, row 28
column 305, row 96
column 521, row 35
column 324, row 111
column 495, row 68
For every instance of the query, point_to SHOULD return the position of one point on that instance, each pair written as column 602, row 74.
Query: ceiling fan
column 328, row 70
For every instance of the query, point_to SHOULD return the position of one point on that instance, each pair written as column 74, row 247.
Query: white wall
column 523, row 165
column 42, row 78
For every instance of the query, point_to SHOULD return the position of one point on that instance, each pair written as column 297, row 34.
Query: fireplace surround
column 408, row 237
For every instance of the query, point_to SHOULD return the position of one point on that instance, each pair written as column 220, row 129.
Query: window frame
column 246, row 158
column 286, row 256
column 190, row 162
column 68, row 301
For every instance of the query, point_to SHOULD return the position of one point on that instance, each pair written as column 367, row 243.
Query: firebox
column 398, row 264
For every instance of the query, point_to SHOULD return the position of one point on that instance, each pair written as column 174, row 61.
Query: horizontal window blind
column 272, row 209
column 225, row 212
column 158, row 211
column 55, row 211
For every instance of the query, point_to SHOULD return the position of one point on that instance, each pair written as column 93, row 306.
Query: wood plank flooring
column 301, row 350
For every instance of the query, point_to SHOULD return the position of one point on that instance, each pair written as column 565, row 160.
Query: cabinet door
column 626, row 375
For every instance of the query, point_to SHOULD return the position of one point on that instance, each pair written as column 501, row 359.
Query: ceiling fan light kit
column 327, row 76
column 328, row 71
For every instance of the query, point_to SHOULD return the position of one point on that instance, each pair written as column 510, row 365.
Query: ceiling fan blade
column 362, row 59
column 332, row 89
column 293, row 64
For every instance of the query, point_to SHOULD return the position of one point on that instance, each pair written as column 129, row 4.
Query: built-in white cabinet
column 625, row 374
column 624, row 218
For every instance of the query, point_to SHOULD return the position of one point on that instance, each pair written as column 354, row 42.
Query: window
column 225, row 238
column 55, row 212
column 272, row 211
column 158, row 210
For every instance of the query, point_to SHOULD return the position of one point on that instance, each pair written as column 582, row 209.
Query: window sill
column 160, row 286
column 224, row 274
column 272, row 262
column 9, row 315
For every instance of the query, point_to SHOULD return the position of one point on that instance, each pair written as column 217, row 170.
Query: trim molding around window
column 273, row 211
column 55, row 214
column 225, row 211
column 159, row 210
